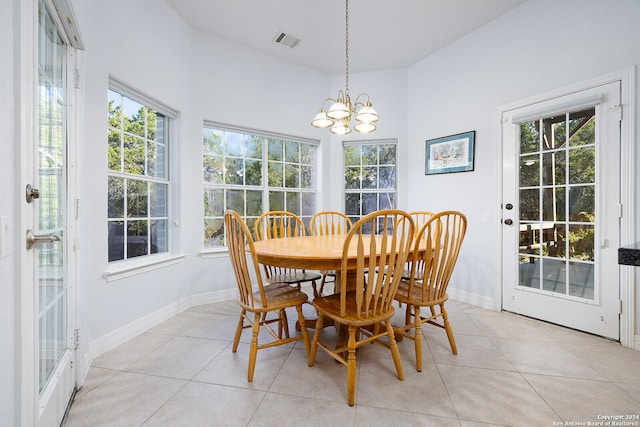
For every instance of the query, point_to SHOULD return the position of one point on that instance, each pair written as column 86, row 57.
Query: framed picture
column 452, row 153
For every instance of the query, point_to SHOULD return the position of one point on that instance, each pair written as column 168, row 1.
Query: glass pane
column 370, row 177
column 254, row 203
column 553, row 168
column 582, row 165
column 253, row 172
column 254, row 147
column 559, row 130
column 235, row 200
column 529, row 272
column 213, row 202
column 235, row 171
column 581, row 280
column 369, row 203
column 307, row 176
column 292, row 176
column 276, row 150
column 293, row 202
column 352, row 204
column 157, row 127
column 553, row 204
column 137, row 238
column 213, row 168
column 276, row 174
column 159, row 236
column 387, row 177
column 582, row 242
column 582, row 204
column 554, row 275
column 530, row 204
column 529, row 170
column 529, row 137
column 134, row 117
column 555, row 241
column 292, row 152
column 352, row 178
column 308, row 203
column 157, row 160
column 116, row 240
column 307, row 154
column 387, row 201
column 137, row 198
column 134, row 155
column 352, row 155
column 387, row 154
column 115, row 191
column 115, row 151
column 212, row 141
column 158, row 199
column 233, row 144
column 530, row 238
column 276, row 200
column 582, row 127
column 369, row 155
column 213, row 233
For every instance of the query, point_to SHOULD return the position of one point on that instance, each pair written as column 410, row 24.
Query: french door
column 561, row 210
column 49, row 304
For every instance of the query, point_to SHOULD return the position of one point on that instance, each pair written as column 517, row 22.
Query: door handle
column 32, row 193
column 508, row 221
column 35, row 239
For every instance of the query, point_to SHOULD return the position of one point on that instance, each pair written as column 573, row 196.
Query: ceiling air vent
column 286, row 39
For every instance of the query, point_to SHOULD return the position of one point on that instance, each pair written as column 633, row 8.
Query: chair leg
column 322, row 281
column 303, row 329
column 351, row 366
column 254, row 346
column 417, row 337
column 395, row 352
column 314, row 343
column 449, row 329
column 283, row 324
column 239, row 329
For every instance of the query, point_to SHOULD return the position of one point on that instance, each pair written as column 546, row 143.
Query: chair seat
column 278, row 295
column 416, row 296
column 294, row 277
column 329, row 306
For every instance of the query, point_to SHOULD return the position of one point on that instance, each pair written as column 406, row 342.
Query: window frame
column 130, row 265
column 377, row 190
column 265, row 188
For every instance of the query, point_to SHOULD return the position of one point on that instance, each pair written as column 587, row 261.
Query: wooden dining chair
column 328, row 223
column 419, row 219
column 433, row 259
column 279, row 224
column 274, row 297
column 363, row 303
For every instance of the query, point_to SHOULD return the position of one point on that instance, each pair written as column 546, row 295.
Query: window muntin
column 138, row 177
column 251, row 174
column 370, row 178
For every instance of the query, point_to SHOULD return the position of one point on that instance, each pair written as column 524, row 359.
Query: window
column 253, row 173
column 138, row 174
column 369, row 178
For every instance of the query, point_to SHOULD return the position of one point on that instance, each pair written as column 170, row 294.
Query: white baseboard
column 470, row 298
column 636, row 342
column 123, row 334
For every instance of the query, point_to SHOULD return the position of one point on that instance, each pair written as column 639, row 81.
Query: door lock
column 32, row 193
column 508, row 221
column 35, row 239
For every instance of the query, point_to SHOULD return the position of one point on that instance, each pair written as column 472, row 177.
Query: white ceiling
column 383, row 34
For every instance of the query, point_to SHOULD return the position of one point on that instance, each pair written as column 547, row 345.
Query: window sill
column 131, row 268
column 215, row 253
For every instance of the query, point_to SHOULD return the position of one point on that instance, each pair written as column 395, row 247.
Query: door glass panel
column 557, row 204
column 50, row 207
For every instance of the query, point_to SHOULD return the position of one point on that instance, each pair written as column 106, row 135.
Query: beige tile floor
column 509, row 371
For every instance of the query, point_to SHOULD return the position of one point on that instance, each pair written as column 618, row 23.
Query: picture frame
column 448, row 154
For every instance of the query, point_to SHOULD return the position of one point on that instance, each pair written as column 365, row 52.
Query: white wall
column 539, row 46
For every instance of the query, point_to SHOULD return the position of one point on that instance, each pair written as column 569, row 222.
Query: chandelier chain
column 346, row 48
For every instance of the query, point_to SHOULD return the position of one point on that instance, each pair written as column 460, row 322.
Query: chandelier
column 338, row 118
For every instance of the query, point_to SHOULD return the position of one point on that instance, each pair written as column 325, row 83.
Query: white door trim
column 627, row 225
